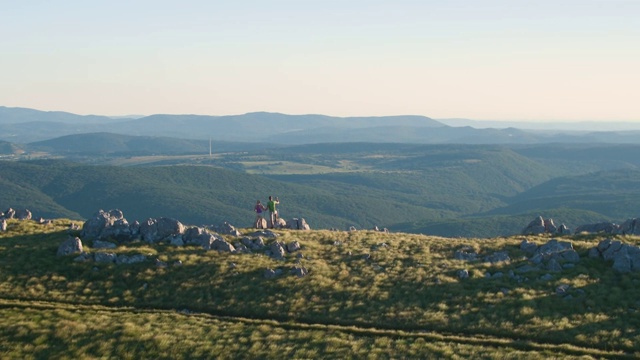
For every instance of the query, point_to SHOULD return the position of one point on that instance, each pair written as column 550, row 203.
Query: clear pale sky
column 541, row 60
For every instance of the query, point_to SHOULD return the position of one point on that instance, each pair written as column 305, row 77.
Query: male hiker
column 273, row 213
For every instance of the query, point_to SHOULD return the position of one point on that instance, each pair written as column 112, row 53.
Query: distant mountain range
column 22, row 126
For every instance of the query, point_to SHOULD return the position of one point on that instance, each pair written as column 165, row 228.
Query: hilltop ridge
column 379, row 293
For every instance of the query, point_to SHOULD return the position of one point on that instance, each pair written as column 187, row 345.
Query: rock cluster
column 108, row 228
column 541, row 225
column 546, row 226
column 629, row 227
column 553, row 256
column 113, row 225
column 20, row 214
column 625, row 257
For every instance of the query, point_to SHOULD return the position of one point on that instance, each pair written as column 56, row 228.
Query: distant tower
column 209, row 147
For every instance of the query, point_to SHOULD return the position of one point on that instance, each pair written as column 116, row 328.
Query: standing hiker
column 273, row 213
column 260, row 210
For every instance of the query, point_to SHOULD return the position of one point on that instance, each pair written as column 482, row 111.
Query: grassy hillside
column 405, row 301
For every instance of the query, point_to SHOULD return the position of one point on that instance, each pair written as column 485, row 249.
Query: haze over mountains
column 19, row 125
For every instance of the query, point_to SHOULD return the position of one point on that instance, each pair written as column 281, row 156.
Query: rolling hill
column 21, row 126
column 448, row 190
column 110, row 144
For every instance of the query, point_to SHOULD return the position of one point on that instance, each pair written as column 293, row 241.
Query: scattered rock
column 299, row 271
column 293, row 246
column 277, row 250
column 130, row 259
column 83, row 257
column 563, row 290
column 270, row 273
column 463, row 274
column 221, row 245
column 546, row 277
column 157, row 230
column 497, row 257
column 99, row 244
column 70, row 246
column 227, row 229
column 101, row 257
column 466, row 254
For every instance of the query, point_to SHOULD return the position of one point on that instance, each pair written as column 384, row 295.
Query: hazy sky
column 480, row 59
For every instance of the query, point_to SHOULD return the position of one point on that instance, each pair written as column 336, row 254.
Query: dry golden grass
column 406, row 287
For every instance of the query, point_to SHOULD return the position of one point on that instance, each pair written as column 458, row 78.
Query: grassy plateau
column 366, row 295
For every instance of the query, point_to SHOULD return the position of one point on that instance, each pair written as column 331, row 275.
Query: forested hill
column 440, row 190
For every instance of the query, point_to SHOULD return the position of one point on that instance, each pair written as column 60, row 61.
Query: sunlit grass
column 368, row 279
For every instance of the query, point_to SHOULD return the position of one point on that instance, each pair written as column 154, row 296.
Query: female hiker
column 259, row 209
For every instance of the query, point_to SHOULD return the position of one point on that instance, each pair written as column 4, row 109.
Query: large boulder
column 156, row 230
column 298, row 224
column 293, row 246
column 630, row 227
column 603, row 227
column 541, row 225
column 23, row 214
column 253, row 244
column 626, row 258
column 528, row 247
column 299, row 271
column 277, row 250
column 9, row 213
column 106, row 224
column 192, row 234
column 281, row 224
column 70, row 246
column 213, row 242
column 227, row 229
column 535, row 227
column 222, row 245
column 262, row 223
column 555, row 249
